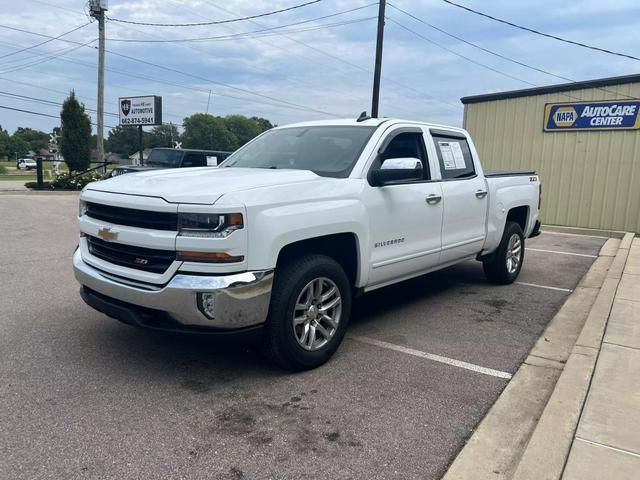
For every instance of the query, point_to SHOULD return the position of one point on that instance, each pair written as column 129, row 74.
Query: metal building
column 583, row 138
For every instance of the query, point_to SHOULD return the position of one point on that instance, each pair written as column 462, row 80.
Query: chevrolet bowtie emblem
column 105, row 233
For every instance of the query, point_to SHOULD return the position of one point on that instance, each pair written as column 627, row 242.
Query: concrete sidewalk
column 12, row 186
column 606, row 443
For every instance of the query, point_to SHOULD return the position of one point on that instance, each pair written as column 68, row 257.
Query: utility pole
column 377, row 73
column 208, row 100
column 97, row 9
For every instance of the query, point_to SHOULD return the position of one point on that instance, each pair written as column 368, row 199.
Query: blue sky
column 325, row 69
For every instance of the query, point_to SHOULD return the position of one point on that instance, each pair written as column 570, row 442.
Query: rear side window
column 454, row 156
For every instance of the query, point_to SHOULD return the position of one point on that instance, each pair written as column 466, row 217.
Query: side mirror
column 394, row 170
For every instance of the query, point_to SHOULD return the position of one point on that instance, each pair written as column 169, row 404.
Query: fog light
column 206, row 304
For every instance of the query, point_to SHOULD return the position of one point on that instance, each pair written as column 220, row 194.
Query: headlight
column 209, row 225
column 82, row 208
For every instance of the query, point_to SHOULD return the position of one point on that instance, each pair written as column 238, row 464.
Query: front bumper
column 241, row 300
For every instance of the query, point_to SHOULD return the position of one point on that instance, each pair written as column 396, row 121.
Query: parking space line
column 562, row 253
column 431, row 356
column 547, row 232
column 568, row 290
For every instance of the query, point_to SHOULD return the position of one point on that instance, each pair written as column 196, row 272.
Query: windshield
column 326, row 151
column 164, row 158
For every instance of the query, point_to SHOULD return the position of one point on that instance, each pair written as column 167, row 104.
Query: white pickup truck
column 293, row 225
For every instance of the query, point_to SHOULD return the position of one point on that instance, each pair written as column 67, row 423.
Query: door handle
column 481, row 193
column 433, row 199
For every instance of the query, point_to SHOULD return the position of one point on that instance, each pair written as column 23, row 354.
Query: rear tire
column 309, row 312
column 503, row 266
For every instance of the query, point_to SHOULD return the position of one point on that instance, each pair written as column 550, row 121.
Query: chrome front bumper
column 241, row 300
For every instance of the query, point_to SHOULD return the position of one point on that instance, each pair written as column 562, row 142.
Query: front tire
column 309, row 312
column 503, row 266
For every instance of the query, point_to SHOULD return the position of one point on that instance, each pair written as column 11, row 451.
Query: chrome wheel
column 316, row 314
column 514, row 253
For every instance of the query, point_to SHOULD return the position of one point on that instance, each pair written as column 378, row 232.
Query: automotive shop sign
column 603, row 115
column 140, row 110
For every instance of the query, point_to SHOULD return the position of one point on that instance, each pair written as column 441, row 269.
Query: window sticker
column 448, row 159
column 458, row 156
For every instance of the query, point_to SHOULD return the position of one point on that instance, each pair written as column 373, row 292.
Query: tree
column 124, row 140
column 75, row 142
column 263, row 123
column 11, row 145
column 163, row 136
column 243, row 128
column 207, row 132
column 35, row 138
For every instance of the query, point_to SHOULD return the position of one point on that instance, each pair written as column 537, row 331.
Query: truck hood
column 203, row 185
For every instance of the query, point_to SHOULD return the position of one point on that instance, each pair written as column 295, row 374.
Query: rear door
column 465, row 196
column 406, row 217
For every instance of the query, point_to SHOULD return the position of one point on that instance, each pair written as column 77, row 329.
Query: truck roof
column 371, row 122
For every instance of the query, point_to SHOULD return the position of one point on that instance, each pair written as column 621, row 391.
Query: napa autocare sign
column 140, row 111
column 581, row 116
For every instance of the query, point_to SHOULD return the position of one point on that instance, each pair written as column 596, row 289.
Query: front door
column 405, row 218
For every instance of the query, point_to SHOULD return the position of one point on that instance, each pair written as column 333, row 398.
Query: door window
column 406, row 145
column 455, row 157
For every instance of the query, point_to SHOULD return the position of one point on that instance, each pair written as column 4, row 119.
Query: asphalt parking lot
column 85, row 397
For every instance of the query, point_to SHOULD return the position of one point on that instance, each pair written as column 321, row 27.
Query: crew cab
column 160, row 157
column 292, row 226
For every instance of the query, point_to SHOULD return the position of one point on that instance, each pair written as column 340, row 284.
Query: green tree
column 243, row 128
column 263, row 123
column 35, row 138
column 75, row 142
column 10, row 145
column 124, row 140
column 205, row 131
column 163, row 136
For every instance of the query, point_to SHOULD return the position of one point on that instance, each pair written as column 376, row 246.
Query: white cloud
column 415, row 72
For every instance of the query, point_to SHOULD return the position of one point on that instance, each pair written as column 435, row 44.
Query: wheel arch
column 342, row 247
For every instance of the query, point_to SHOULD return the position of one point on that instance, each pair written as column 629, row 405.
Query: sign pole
column 140, row 142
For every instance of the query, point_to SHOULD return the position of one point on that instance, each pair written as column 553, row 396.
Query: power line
column 47, row 102
column 342, row 60
column 217, row 22
column 500, row 72
column 31, row 112
column 246, row 34
column 286, row 104
column 504, row 57
column 155, row 79
column 45, row 42
column 499, row 55
column 548, row 35
column 47, row 59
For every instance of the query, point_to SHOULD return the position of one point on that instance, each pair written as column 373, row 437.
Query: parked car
column 26, row 164
column 174, row 158
column 291, row 227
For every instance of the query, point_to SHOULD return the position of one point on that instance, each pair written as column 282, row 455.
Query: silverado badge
column 105, row 233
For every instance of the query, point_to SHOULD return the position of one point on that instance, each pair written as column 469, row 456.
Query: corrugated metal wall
column 589, row 179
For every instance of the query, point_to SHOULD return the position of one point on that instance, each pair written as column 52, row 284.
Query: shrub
column 67, row 181
column 3, row 170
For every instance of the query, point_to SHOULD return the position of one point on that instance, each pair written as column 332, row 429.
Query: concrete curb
column 546, row 453
column 584, row 231
column 529, row 430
